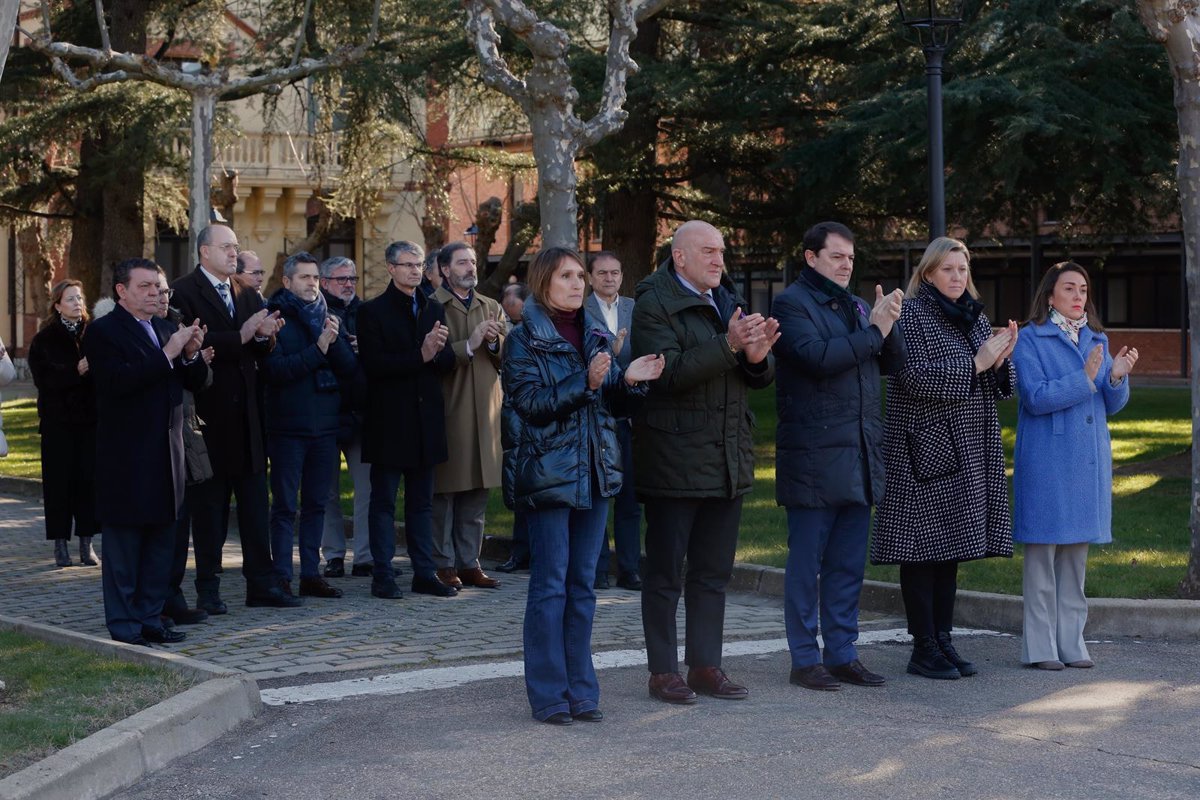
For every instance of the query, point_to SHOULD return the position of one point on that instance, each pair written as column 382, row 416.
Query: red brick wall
column 1158, row 350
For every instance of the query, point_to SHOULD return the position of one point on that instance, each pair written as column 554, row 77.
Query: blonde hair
column 937, row 252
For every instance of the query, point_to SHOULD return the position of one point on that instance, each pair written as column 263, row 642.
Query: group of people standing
column 646, row 400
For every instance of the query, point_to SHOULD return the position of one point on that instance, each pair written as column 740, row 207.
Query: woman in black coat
column 562, row 390
column 946, row 497
column 67, row 423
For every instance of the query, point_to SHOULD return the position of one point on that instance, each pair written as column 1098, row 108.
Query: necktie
column 223, row 290
column 146, row 326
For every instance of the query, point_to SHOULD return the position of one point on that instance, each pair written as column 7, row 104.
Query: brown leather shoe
column 713, row 682
column 854, row 672
column 318, row 587
column 670, row 688
column 477, row 577
column 449, row 576
column 815, row 677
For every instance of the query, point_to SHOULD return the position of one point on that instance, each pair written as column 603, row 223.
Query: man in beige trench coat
column 473, row 398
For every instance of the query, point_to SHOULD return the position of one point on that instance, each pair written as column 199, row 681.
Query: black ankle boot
column 964, row 667
column 87, row 556
column 62, row 553
column 927, row 660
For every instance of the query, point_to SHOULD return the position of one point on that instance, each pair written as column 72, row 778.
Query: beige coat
column 473, row 399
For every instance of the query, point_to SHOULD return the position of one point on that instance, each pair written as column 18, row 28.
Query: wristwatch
column 732, row 347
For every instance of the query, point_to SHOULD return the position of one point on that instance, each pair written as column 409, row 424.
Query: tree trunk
column 630, row 213
column 204, row 106
column 525, row 225
column 1177, row 25
column 554, row 149
column 8, row 23
column 87, row 226
column 488, row 217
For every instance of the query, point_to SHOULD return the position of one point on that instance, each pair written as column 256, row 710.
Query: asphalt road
column 1130, row 728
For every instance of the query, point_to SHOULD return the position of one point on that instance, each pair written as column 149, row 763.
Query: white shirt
column 609, row 312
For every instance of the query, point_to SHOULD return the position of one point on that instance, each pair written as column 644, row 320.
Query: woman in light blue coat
column 1062, row 468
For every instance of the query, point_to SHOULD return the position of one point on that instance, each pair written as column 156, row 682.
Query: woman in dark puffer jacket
column 562, row 390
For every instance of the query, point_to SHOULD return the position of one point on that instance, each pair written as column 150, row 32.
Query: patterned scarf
column 1070, row 327
column 71, row 325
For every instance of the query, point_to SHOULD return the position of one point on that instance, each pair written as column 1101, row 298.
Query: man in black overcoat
column 402, row 347
column 241, row 332
column 140, row 365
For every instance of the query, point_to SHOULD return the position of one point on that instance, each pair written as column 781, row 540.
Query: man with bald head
column 693, row 453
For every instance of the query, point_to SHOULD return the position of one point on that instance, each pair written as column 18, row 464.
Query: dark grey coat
column 829, row 441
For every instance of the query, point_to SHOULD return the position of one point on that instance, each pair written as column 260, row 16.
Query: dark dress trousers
column 233, row 433
column 140, row 471
column 404, row 427
column 67, row 424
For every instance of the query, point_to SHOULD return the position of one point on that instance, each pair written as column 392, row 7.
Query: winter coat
column 473, row 398
column 692, row 436
column 829, row 441
column 303, row 393
column 354, row 389
column 1062, row 466
column 64, row 396
column 232, row 407
column 947, row 494
column 563, row 434
column 404, row 426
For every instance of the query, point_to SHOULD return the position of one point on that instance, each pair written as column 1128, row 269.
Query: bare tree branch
column 105, row 41
column 495, row 72
column 300, row 33
column 619, row 66
column 644, row 9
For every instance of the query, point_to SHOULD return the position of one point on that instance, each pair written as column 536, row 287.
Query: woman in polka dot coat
column 947, row 495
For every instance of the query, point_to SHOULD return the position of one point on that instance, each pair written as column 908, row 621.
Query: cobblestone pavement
column 355, row 632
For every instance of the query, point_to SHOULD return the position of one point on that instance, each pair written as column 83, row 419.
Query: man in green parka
column 693, row 453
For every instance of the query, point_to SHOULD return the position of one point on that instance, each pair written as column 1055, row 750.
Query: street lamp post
column 933, row 20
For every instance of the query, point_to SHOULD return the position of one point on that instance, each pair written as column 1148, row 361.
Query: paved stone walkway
column 355, row 632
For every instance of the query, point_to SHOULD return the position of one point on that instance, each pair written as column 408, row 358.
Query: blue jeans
column 418, row 520
column 827, row 553
column 627, row 515
column 559, row 609
column 299, row 464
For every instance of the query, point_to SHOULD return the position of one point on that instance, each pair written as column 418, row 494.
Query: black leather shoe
column 362, row 570
column 965, row 668
column 166, row 621
column 434, row 587
column 631, row 582
column 594, row 715
column 318, row 587
column 814, row 677
column 601, row 581
column 559, row 718
column 513, row 564
column 386, row 590
column 212, row 605
column 854, row 672
column 163, row 636
column 335, row 568
column 275, row 597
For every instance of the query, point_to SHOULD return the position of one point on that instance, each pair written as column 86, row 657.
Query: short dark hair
column 814, row 237
column 594, row 257
column 123, row 270
column 446, row 254
column 295, row 259
column 542, row 268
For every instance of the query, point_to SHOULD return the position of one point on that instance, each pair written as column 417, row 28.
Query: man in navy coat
column 141, row 365
column 829, row 459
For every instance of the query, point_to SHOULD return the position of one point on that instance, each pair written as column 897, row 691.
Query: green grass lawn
column 57, row 695
column 1150, row 512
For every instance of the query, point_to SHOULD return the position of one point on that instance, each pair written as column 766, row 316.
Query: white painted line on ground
column 424, row 680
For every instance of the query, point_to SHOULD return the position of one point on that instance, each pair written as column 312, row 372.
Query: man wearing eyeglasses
column 241, row 333
column 339, row 281
column 250, row 272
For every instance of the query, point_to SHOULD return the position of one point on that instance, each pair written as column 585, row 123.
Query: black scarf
column 847, row 304
column 961, row 313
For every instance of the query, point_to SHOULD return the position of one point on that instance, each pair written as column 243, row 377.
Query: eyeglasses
column 228, row 247
column 345, row 279
column 406, row 264
column 168, row 293
column 256, row 272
